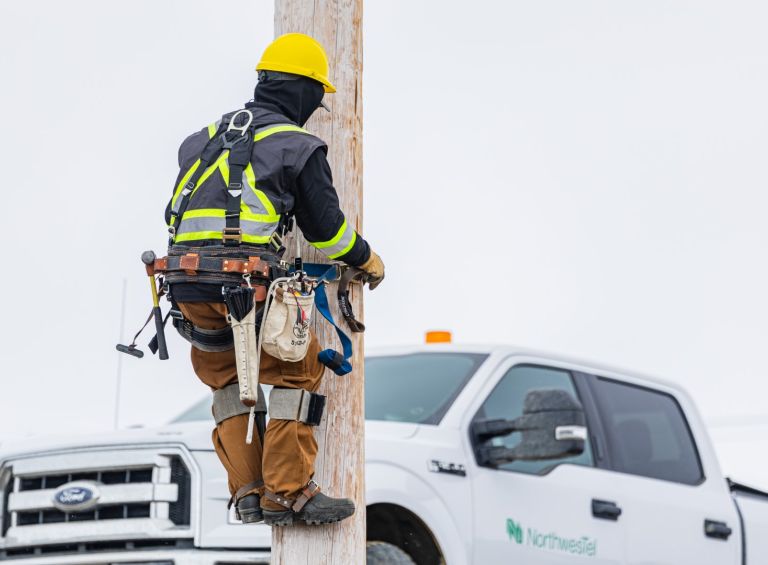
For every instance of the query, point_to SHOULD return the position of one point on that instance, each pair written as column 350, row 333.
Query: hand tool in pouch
column 288, row 313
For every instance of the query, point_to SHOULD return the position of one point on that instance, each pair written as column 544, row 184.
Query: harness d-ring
column 241, row 129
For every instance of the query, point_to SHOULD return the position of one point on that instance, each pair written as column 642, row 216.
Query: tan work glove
column 374, row 268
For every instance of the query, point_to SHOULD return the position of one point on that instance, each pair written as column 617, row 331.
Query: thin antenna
column 119, row 376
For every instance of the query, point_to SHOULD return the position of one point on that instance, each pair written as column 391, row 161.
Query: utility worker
column 285, row 175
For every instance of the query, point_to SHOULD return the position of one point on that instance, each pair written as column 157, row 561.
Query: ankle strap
column 300, row 501
column 244, row 490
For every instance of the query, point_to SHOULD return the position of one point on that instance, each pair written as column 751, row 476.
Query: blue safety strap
column 331, row 358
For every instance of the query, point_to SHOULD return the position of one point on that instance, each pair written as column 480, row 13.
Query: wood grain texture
column 337, row 25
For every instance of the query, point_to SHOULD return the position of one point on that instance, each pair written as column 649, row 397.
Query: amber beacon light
column 438, row 337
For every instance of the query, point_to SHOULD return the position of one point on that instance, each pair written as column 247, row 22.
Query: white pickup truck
column 446, row 481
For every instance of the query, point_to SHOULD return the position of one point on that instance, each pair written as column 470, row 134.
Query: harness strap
column 210, row 153
column 240, row 148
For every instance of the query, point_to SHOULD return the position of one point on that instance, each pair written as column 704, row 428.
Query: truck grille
column 131, row 494
column 111, row 512
column 117, row 477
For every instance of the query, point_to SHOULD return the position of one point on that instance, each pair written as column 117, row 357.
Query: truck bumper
column 153, row 557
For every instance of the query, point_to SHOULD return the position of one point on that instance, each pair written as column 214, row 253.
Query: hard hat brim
column 285, row 68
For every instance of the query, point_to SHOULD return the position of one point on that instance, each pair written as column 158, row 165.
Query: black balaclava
column 295, row 99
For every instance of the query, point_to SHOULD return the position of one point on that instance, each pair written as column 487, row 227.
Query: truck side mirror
column 552, row 427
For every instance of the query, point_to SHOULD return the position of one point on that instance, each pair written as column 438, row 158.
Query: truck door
column 672, row 512
column 536, row 512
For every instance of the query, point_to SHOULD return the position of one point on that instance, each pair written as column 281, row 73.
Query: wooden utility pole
column 337, row 25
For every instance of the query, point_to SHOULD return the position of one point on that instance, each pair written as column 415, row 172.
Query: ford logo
column 76, row 497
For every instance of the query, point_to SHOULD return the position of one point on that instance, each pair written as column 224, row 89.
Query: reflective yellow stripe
column 346, row 249
column 335, row 240
column 245, row 214
column 224, row 168
column 212, row 130
column 199, row 235
column 251, row 178
column 256, row 238
column 277, row 129
column 340, row 244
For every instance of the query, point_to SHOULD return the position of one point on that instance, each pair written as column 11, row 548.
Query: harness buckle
column 227, row 144
column 276, row 241
column 235, row 189
column 232, row 236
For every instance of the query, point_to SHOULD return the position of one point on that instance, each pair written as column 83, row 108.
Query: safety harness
column 238, row 140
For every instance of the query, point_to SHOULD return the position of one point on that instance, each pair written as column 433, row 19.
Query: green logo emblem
column 514, row 531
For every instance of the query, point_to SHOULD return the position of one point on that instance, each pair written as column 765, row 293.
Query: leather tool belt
column 201, row 265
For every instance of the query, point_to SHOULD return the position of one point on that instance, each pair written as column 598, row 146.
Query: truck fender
column 386, row 483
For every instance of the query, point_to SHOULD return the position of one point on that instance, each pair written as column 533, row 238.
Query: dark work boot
column 248, row 509
column 312, row 507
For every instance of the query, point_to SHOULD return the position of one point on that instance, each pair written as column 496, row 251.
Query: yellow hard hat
column 298, row 54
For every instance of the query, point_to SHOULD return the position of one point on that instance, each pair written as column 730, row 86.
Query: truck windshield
column 417, row 388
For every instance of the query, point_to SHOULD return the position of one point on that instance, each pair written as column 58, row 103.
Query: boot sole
column 278, row 518
column 288, row 518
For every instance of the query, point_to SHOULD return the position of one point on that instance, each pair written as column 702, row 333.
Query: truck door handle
column 717, row 530
column 605, row 510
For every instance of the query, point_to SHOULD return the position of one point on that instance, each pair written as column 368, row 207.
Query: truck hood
column 196, row 436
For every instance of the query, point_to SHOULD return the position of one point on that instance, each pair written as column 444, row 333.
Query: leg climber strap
column 296, row 404
column 244, row 490
column 307, row 493
column 226, row 403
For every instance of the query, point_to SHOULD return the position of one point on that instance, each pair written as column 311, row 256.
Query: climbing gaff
column 243, row 319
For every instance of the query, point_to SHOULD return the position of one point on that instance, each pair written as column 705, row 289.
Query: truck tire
column 383, row 553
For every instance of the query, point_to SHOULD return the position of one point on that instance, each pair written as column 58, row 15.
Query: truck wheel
column 383, row 553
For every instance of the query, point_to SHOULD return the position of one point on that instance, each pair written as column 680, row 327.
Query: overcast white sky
column 583, row 177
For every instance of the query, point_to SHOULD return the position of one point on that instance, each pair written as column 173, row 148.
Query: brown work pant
column 287, row 461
